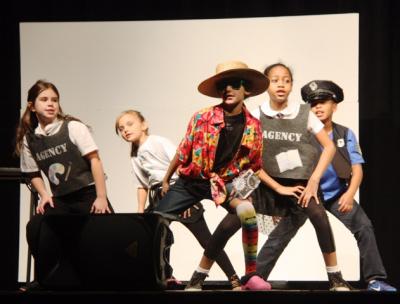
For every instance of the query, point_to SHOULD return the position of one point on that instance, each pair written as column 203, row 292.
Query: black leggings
column 229, row 225
column 203, row 235
column 319, row 219
column 315, row 212
column 269, row 202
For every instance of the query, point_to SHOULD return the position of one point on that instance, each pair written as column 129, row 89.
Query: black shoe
column 235, row 282
column 31, row 286
column 337, row 283
column 196, row 282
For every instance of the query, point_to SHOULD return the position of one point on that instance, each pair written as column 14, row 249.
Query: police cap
column 321, row 90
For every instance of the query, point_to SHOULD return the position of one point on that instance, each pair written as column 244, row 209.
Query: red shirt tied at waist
column 198, row 148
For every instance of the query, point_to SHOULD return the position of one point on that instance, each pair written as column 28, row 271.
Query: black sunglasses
column 235, row 83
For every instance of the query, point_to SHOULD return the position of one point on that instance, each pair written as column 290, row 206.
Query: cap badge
column 313, row 86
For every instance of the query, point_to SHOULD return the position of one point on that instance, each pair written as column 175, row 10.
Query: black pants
column 78, row 202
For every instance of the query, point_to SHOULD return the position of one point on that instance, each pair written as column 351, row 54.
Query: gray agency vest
column 287, row 148
column 61, row 161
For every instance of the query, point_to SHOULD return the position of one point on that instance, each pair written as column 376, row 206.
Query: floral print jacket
column 197, row 150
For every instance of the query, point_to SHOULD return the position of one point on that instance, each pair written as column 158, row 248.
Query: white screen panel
column 103, row 68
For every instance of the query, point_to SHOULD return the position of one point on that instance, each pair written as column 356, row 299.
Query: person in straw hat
column 221, row 142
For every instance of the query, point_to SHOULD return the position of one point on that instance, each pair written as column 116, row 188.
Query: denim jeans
column 184, row 194
column 178, row 198
column 361, row 227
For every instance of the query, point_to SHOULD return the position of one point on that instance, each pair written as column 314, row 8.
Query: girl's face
column 280, row 84
column 46, row 107
column 131, row 128
column 323, row 109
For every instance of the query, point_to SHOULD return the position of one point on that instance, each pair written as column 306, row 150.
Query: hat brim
column 322, row 94
column 258, row 83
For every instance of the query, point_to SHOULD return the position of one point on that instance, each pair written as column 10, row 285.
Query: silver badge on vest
column 340, row 142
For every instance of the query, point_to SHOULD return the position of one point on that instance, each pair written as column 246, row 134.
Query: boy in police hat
column 342, row 179
column 221, row 142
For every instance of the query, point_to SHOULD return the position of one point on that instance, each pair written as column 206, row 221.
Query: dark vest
column 61, row 161
column 282, row 135
column 341, row 161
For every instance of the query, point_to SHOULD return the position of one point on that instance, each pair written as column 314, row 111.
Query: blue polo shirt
column 330, row 183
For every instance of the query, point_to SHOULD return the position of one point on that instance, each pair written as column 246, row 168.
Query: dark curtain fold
column 379, row 99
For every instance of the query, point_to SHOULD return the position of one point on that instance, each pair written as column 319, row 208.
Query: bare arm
column 174, row 164
column 347, row 199
column 45, row 197
column 325, row 159
column 141, row 197
column 100, row 205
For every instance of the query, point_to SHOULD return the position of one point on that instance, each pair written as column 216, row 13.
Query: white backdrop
column 103, row 68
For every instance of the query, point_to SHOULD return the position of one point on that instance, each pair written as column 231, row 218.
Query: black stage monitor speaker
column 103, row 252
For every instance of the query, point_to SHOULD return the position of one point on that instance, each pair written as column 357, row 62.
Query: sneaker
column 376, row 285
column 196, row 282
column 256, row 283
column 337, row 283
column 235, row 283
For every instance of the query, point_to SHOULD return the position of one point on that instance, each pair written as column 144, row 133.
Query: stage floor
column 207, row 296
column 202, row 297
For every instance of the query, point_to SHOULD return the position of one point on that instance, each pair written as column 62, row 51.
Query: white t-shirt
column 79, row 135
column 152, row 161
column 314, row 125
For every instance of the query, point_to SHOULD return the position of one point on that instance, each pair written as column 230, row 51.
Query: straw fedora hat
column 257, row 81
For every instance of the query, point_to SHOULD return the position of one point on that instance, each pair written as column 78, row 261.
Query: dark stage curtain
column 378, row 92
